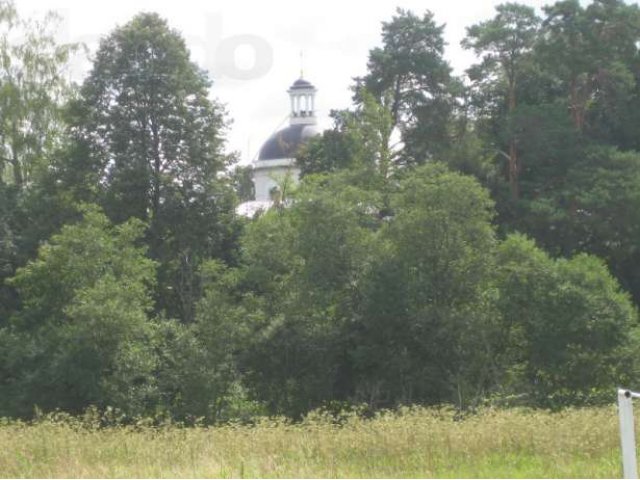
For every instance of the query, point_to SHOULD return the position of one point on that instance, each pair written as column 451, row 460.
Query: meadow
column 415, row 442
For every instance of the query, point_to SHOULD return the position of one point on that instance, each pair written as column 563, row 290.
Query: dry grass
column 414, row 443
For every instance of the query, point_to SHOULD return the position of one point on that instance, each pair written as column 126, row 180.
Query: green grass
column 413, row 443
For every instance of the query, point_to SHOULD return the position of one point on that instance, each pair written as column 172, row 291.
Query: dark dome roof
column 286, row 142
column 300, row 84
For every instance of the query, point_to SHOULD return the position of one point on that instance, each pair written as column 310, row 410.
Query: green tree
column 223, row 326
column 602, row 217
column 549, row 147
column 565, row 47
column 82, row 336
column 613, row 106
column 336, row 149
column 299, row 283
column 8, row 254
column 592, row 52
column 360, row 141
column 409, row 77
column 587, row 205
column 33, row 88
column 568, row 324
column 153, row 141
column 241, row 178
column 197, row 375
column 505, row 44
column 425, row 328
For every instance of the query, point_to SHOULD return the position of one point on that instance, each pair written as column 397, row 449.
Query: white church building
column 276, row 161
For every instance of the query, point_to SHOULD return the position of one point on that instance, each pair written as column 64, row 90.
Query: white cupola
column 303, row 97
column 276, row 162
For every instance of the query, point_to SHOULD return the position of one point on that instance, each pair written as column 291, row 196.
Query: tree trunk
column 513, row 151
column 395, row 107
column 575, row 104
column 18, row 174
column 155, row 195
column 513, row 170
column 18, row 177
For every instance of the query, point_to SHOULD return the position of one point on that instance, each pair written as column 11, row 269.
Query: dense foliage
column 453, row 240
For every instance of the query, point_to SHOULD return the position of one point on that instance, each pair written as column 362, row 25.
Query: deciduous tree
column 154, row 141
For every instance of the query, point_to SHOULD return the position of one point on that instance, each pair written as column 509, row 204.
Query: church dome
column 285, row 143
column 301, row 83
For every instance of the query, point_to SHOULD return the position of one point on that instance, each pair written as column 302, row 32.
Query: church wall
column 265, row 179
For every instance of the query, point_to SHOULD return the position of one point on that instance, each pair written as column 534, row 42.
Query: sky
column 252, row 50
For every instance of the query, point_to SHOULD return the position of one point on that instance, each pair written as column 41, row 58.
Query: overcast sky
column 252, row 49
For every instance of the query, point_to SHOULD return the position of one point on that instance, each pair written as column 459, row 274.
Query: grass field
column 414, row 443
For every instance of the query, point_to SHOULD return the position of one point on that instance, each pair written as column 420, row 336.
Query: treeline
column 454, row 240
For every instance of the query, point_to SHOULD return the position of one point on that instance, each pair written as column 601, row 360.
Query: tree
column 8, row 300
column 359, row 141
column 154, row 142
column 33, row 88
column 224, row 321
column 241, row 178
column 568, row 324
column 82, row 336
column 549, row 147
column 588, row 205
column 336, row 149
column 604, row 218
column 409, row 77
column 566, row 48
column 505, row 43
column 299, row 284
column 613, row 103
column 424, row 329
column 592, row 52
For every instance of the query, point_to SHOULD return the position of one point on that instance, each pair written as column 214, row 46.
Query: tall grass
column 411, row 443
